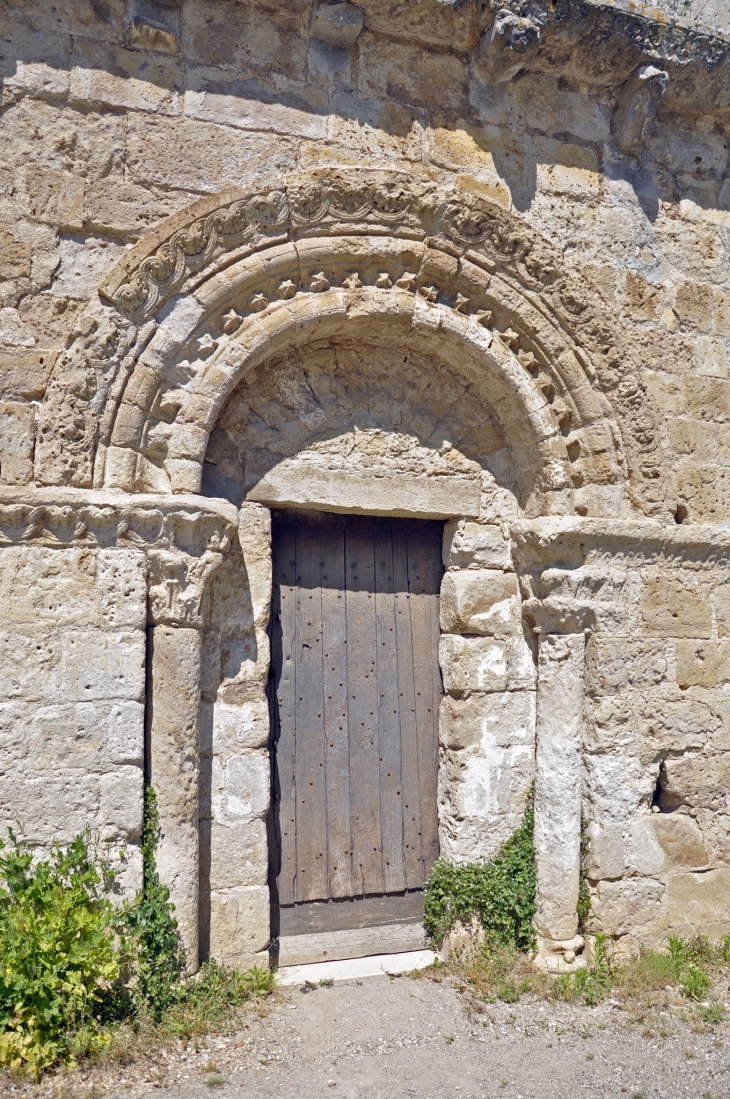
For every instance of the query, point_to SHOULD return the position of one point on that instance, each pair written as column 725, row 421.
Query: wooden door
column 354, row 700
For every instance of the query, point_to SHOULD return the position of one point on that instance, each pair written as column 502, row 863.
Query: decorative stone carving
column 385, row 204
column 177, row 584
column 337, row 24
column 99, row 520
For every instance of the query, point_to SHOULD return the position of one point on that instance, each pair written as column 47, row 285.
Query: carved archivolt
column 222, row 287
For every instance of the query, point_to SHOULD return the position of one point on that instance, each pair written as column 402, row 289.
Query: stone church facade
column 442, row 260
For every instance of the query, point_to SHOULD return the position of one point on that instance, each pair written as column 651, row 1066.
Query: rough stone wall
column 598, row 134
column 115, row 115
column 487, row 719
column 235, row 772
column 72, row 692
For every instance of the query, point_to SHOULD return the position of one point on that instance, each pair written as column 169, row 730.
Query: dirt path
column 386, row 1039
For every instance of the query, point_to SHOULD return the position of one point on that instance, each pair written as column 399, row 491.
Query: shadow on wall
column 446, row 88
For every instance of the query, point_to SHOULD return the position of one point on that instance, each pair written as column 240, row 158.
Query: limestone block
column 681, row 839
column 254, row 535
column 607, row 856
column 505, row 720
column 615, row 663
column 244, row 667
column 239, row 925
column 17, row 441
column 692, row 901
column 337, row 24
column 627, row 907
column 609, row 724
column 73, row 587
column 363, row 126
column 76, row 665
column 56, row 197
column 293, row 483
column 114, row 206
column 480, row 601
column 473, row 663
column 721, row 604
column 83, row 265
column 475, row 545
column 521, row 669
column 433, row 22
column 14, row 257
column 696, row 780
column 677, row 726
column 88, row 736
column 249, row 105
column 122, row 806
column 703, row 663
column 409, row 75
column 174, row 770
column 132, row 80
column 566, row 168
column 239, row 853
column 646, row 856
column 670, row 608
column 479, row 150
column 56, row 804
column 617, row 785
column 246, row 37
column 239, row 727
column 241, row 787
column 25, row 373
column 482, row 796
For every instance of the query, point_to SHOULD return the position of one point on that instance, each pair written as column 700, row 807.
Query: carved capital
column 177, row 584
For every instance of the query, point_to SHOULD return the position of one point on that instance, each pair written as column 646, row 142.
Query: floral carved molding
column 101, row 368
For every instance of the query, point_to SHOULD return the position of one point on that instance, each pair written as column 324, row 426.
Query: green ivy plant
column 500, row 893
column 152, row 940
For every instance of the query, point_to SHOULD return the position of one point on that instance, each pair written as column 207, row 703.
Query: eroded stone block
column 239, row 925
column 482, row 601
column 475, row 545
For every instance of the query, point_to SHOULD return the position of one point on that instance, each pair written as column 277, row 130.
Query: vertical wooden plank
column 433, row 547
column 362, row 707
column 311, row 812
column 410, row 792
column 284, row 701
column 391, row 794
column 337, row 757
column 423, row 600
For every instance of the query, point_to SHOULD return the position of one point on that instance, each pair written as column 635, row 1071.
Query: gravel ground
column 386, row 1038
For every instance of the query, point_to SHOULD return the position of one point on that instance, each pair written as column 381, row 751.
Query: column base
column 560, row 955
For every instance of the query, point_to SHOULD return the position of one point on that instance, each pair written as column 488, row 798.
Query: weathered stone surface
column 475, row 545
column 557, row 786
column 671, row 608
column 398, row 278
column 239, row 920
column 703, row 663
column 337, row 24
column 174, row 771
column 482, row 601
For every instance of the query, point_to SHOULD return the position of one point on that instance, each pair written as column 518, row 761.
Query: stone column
column 176, row 586
column 558, row 798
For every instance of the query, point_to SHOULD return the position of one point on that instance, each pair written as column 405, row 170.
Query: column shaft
column 173, row 765
column 558, row 788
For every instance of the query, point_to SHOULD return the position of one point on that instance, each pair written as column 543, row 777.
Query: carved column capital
column 177, row 584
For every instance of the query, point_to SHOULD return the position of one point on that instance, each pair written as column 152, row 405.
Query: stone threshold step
column 377, row 965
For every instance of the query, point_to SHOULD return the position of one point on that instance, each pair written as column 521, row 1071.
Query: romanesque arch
column 229, row 283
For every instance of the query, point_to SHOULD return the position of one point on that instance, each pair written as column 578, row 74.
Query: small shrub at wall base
column 75, row 967
column 500, row 893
